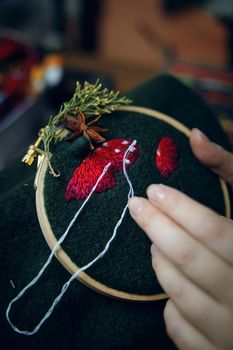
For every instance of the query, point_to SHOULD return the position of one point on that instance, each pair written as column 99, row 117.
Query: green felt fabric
column 127, row 266
column 85, row 319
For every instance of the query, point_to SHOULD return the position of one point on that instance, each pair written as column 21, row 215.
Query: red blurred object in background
column 16, row 61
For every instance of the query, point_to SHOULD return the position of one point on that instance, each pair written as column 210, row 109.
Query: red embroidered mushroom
column 88, row 172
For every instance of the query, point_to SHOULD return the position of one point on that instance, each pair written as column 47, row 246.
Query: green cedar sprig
column 90, row 99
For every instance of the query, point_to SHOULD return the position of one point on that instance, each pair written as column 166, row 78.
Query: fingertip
column 207, row 152
column 198, row 136
column 156, row 193
column 135, row 206
column 197, row 140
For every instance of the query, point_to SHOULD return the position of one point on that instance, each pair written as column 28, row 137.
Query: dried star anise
column 78, row 127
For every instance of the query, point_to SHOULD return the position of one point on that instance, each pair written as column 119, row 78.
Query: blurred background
column 47, row 45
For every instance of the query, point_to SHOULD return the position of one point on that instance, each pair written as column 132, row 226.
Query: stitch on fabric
column 167, row 156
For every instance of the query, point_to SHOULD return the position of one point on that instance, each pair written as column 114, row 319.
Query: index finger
column 201, row 222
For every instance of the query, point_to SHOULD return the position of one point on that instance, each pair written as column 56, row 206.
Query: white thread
column 54, row 174
column 61, row 239
column 131, row 191
column 99, row 256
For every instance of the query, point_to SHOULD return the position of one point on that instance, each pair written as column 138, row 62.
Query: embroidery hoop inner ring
column 63, row 257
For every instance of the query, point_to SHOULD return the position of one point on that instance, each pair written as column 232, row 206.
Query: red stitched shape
column 167, row 156
column 88, row 172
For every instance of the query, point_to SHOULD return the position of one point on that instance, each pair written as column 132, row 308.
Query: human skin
column 192, row 256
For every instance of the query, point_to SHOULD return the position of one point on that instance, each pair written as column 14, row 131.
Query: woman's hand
column 212, row 155
column 192, row 255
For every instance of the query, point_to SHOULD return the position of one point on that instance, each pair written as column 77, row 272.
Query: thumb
column 212, row 155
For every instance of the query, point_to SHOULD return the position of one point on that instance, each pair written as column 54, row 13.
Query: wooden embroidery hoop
column 63, row 257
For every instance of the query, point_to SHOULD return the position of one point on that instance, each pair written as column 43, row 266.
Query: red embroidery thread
column 167, row 156
column 88, row 172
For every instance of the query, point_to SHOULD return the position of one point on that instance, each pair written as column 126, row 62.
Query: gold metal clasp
column 33, row 150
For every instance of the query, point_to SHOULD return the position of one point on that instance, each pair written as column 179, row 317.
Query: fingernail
column 135, row 205
column 199, row 134
column 156, row 193
column 153, row 250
